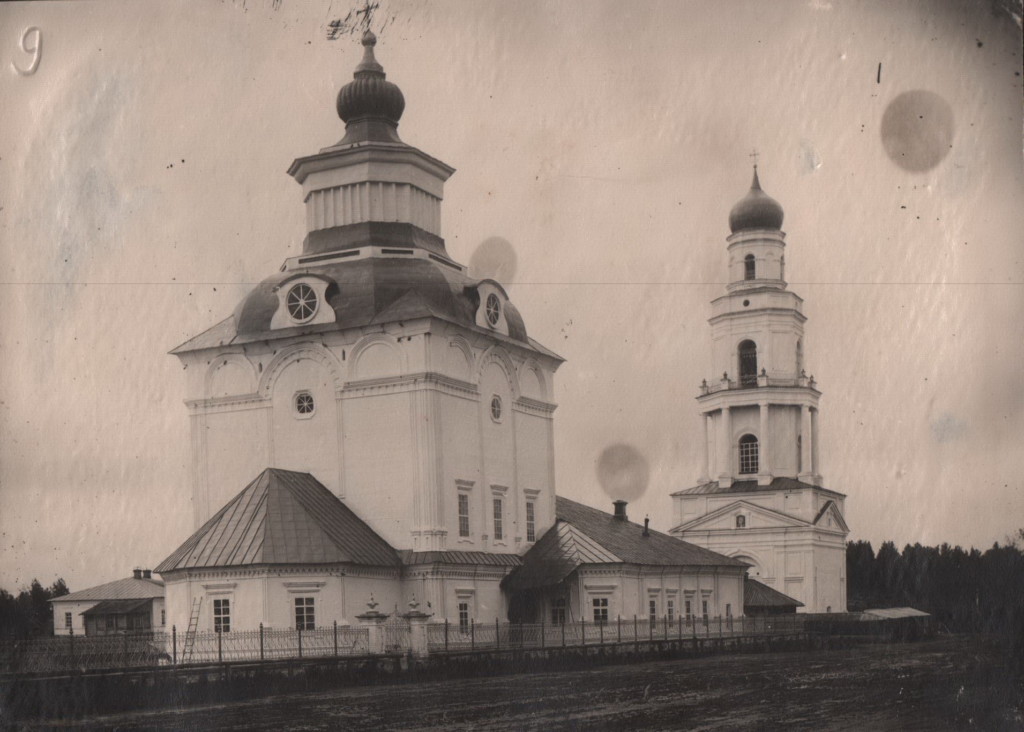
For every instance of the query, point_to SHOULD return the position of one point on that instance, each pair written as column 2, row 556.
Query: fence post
column 542, row 630
column 636, row 635
column 664, row 627
column 719, row 626
column 497, row 636
column 521, row 639
column 446, row 634
column 563, row 632
column 618, row 628
column 472, row 635
column 299, row 631
column 583, row 631
column 124, row 646
column 650, row 627
column 680, row 632
column 335, row 638
column 261, row 641
column 600, row 630
column 174, row 645
column 220, row 655
column 71, row 642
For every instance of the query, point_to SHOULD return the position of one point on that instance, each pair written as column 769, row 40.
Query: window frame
column 497, row 514
column 305, row 612
column 600, row 607
column 463, row 509
column 749, row 267
column 531, row 521
column 746, row 353
column 558, row 611
column 464, row 616
column 749, row 454
column 222, row 615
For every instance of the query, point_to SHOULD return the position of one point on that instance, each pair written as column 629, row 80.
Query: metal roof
column 584, row 535
column 282, row 517
column 129, row 588
column 891, row 613
column 751, row 486
column 410, row 557
column 758, row 594
column 117, row 607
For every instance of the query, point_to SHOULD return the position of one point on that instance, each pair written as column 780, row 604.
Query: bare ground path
column 946, row 684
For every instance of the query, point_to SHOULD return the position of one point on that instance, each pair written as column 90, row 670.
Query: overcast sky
column 143, row 192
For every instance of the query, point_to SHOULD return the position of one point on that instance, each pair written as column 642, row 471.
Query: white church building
column 372, row 422
column 760, row 497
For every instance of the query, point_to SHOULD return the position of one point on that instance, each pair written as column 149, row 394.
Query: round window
column 302, row 302
column 304, row 403
column 496, row 408
column 492, row 308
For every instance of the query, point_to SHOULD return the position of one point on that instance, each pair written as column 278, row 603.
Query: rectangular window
column 531, row 525
column 558, row 611
column 305, row 619
column 463, row 514
column 163, row 617
column 498, row 533
column 652, row 610
column 600, row 609
column 728, row 610
column 704, row 610
column 688, row 610
column 111, row 622
column 464, row 617
column 670, row 609
column 67, row 620
column 222, row 616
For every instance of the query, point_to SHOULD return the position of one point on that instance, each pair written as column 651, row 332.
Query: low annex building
column 133, row 604
column 597, row 566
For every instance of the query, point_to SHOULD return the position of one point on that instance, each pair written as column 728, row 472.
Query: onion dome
column 756, row 210
column 370, row 105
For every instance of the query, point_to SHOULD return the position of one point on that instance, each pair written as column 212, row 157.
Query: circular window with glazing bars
column 496, row 408
column 302, row 302
column 492, row 308
column 304, row 404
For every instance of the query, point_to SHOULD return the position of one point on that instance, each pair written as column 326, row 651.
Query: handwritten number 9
column 31, row 42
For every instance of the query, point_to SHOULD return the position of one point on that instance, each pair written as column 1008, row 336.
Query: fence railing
column 135, row 650
column 477, row 635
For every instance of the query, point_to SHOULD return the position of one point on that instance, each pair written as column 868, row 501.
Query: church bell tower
column 760, row 496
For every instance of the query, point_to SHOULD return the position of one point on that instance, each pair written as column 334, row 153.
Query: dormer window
column 492, row 309
column 302, row 303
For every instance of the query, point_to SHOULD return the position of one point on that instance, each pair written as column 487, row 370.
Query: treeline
column 29, row 613
column 964, row 590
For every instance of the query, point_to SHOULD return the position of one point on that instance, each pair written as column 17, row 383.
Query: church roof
column 758, row 594
column 584, row 535
column 751, row 486
column 756, row 210
column 366, row 292
column 410, row 557
column 282, row 517
column 129, row 588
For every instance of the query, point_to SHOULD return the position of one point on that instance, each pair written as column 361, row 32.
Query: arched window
column 748, row 363
column 799, row 355
column 748, row 267
column 748, row 455
column 741, row 522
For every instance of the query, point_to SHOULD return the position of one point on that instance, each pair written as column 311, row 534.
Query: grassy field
column 944, row 684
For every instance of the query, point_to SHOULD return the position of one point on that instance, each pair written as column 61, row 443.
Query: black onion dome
column 369, row 96
column 756, row 210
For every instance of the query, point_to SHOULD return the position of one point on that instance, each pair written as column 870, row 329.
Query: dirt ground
column 945, row 684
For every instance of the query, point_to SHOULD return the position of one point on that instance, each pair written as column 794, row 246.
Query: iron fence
column 138, row 650
column 477, row 635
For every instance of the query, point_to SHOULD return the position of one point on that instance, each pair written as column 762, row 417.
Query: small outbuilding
column 130, row 605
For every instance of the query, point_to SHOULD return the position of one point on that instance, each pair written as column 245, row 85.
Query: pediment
column 830, row 518
column 755, row 517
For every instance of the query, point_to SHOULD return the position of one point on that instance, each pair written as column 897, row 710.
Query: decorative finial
column 372, row 604
column 369, row 66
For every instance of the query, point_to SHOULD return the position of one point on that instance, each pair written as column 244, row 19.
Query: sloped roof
column 117, row 607
column 129, row 588
column 282, row 517
column 410, row 557
column 583, row 535
column 758, row 594
column 892, row 613
column 365, row 292
column 751, row 486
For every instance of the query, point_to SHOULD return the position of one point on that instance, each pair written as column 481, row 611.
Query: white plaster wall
column 306, row 443
column 77, row 621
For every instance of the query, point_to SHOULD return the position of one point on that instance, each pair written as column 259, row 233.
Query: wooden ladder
column 193, row 626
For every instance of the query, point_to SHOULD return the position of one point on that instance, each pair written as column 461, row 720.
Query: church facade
column 760, row 497
column 389, row 423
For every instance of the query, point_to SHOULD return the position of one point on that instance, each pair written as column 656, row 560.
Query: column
column 725, row 450
column 764, row 471
column 815, row 465
column 705, row 476
column 806, row 471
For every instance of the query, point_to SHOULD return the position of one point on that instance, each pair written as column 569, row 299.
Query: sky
column 143, row 150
